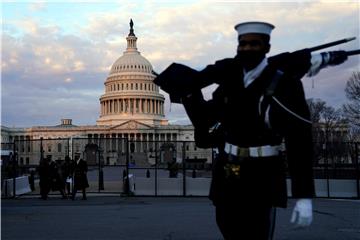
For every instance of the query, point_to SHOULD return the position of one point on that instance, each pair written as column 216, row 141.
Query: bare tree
column 316, row 107
column 352, row 90
column 331, row 119
column 325, row 121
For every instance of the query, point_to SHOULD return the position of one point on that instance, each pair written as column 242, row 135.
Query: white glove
column 302, row 214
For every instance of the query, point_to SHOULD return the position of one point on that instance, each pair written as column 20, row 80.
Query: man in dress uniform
column 258, row 120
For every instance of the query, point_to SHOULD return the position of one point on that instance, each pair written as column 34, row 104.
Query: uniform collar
column 253, row 74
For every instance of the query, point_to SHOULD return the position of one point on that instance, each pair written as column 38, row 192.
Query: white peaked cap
column 254, row 27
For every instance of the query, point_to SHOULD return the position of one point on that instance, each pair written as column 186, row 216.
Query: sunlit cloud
column 47, row 60
column 79, row 66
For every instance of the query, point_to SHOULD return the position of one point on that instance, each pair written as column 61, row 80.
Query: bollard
column 101, row 179
column 126, row 189
column 124, row 174
column 194, row 173
column 32, row 180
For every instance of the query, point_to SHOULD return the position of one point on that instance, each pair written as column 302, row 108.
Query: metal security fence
column 336, row 169
column 336, row 160
column 114, row 164
column 157, row 168
column 169, row 168
column 20, row 163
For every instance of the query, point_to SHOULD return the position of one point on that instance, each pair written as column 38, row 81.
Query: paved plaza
column 148, row 218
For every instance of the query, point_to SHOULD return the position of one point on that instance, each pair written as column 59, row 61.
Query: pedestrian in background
column 67, row 169
column 57, row 182
column 80, row 177
column 44, row 174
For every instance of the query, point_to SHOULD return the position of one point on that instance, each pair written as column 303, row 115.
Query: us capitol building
column 131, row 108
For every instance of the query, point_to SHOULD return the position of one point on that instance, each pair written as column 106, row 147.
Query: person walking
column 257, row 115
column 80, row 177
column 57, row 180
column 67, row 169
column 45, row 179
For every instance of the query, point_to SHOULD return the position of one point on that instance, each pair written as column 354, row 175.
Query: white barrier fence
column 22, row 186
column 172, row 186
column 200, row 187
column 141, row 186
column 337, row 188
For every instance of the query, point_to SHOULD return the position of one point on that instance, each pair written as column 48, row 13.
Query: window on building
column 49, row 147
column 27, row 161
column 59, row 147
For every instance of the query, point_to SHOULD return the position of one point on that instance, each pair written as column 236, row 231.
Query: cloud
column 50, row 69
column 50, row 54
column 47, row 106
column 37, row 6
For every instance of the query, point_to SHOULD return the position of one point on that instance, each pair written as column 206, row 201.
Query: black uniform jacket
column 240, row 115
column 80, row 178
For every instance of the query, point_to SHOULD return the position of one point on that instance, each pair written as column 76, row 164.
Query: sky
column 56, row 55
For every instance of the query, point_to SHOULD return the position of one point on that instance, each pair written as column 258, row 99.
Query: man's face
column 253, row 42
column 252, row 48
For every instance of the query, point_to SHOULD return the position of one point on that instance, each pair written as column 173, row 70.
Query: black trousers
column 243, row 221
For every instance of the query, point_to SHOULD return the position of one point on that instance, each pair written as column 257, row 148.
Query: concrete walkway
column 115, row 217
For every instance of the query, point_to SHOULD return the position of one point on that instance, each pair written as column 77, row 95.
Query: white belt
column 260, row 151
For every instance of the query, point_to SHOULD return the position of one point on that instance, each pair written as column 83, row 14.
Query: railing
column 160, row 168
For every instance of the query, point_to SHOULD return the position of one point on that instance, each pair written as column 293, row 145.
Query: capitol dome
column 130, row 94
column 131, row 62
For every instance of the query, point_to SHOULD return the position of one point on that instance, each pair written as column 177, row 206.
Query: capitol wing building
column 131, row 108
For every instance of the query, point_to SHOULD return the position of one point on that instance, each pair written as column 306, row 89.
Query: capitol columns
column 151, row 106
